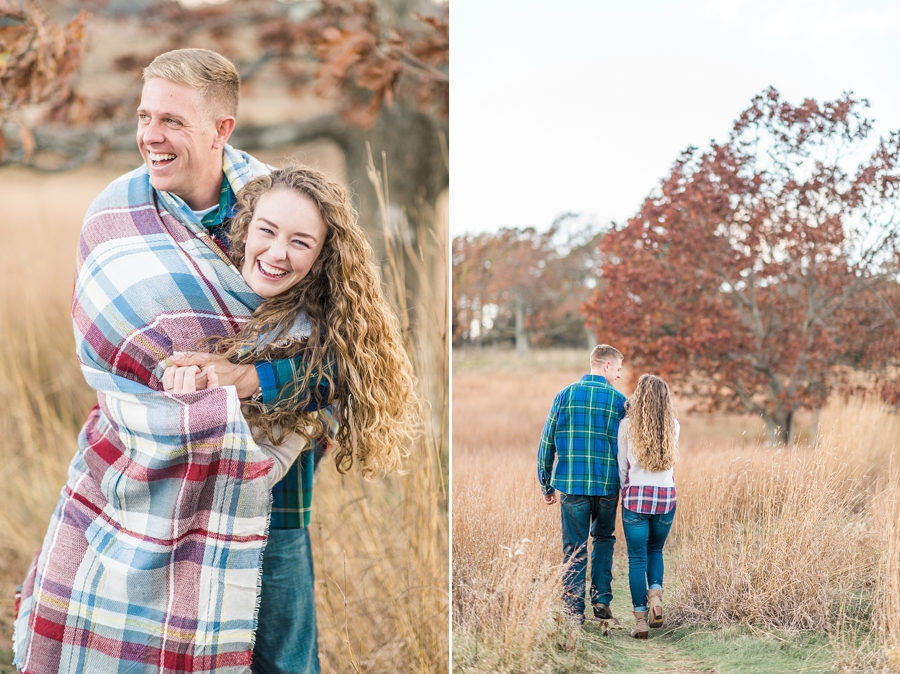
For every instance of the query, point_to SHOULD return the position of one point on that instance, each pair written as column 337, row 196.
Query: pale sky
column 584, row 105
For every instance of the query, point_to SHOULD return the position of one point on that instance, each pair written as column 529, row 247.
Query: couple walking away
column 231, row 320
column 595, row 444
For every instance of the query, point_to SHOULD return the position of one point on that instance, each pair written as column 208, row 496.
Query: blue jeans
column 645, row 536
column 580, row 515
column 286, row 633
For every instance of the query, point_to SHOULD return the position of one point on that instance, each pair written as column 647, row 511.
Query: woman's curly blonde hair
column 651, row 426
column 354, row 355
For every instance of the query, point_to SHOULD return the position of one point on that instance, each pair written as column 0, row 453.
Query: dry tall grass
column 380, row 547
column 800, row 538
column 505, row 605
column 885, row 507
column 506, row 568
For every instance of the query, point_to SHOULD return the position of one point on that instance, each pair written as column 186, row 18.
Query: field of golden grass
column 380, row 547
column 778, row 540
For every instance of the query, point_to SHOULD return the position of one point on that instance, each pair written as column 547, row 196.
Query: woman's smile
column 270, row 270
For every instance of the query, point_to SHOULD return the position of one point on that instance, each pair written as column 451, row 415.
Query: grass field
column 380, row 548
column 780, row 560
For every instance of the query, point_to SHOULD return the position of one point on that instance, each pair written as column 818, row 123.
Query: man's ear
column 224, row 127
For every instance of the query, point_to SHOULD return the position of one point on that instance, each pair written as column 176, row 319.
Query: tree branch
column 270, row 137
column 81, row 145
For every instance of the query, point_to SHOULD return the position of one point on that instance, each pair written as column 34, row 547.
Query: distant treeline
column 524, row 287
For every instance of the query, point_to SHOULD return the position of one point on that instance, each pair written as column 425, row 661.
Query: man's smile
column 160, row 160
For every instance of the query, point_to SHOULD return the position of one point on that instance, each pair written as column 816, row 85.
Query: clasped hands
column 198, row 371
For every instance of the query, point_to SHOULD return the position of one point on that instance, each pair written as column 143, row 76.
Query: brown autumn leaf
column 332, row 34
column 40, row 59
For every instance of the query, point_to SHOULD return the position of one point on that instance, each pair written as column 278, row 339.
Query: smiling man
column 154, row 549
column 186, row 115
column 182, row 134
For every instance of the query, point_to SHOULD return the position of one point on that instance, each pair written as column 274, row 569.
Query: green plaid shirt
column 579, row 444
column 291, row 498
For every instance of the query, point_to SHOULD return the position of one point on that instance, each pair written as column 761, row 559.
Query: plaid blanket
column 152, row 559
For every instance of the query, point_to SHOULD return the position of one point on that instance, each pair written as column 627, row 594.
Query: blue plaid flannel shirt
column 578, row 453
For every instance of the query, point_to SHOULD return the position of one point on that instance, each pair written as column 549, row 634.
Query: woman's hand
column 189, row 378
column 242, row 377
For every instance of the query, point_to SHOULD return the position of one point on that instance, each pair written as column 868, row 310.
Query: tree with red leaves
column 766, row 267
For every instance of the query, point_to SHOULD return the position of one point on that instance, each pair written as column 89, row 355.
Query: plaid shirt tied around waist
column 579, row 443
column 648, row 500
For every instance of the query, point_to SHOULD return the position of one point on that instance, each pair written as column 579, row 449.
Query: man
column 578, row 458
column 186, row 115
column 180, row 288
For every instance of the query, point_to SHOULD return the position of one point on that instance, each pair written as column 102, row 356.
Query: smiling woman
column 296, row 239
column 283, row 241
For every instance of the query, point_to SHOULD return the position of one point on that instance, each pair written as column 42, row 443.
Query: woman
column 648, row 445
column 297, row 243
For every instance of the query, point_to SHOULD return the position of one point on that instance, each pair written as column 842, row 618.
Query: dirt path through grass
column 673, row 650
column 657, row 654
column 698, row 649
column 703, row 650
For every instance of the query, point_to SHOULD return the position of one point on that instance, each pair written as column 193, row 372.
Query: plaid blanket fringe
column 152, row 560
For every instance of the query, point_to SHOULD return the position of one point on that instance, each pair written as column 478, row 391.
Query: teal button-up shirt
column 579, row 445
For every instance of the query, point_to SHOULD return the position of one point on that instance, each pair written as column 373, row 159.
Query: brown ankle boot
column 640, row 625
column 654, row 608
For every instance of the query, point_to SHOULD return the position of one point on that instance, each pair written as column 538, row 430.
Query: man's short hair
column 604, row 352
column 214, row 76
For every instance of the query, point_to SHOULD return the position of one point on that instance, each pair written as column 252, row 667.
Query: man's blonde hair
column 213, row 76
column 604, row 352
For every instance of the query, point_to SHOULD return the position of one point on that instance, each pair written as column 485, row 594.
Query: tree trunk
column 780, row 426
column 479, row 337
column 521, row 335
column 412, row 148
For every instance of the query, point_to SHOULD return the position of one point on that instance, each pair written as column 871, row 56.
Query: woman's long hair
column 651, row 425
column 354, row 355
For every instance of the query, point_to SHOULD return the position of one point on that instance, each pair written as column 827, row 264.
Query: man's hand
column 550, row 498
column 242, row 377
